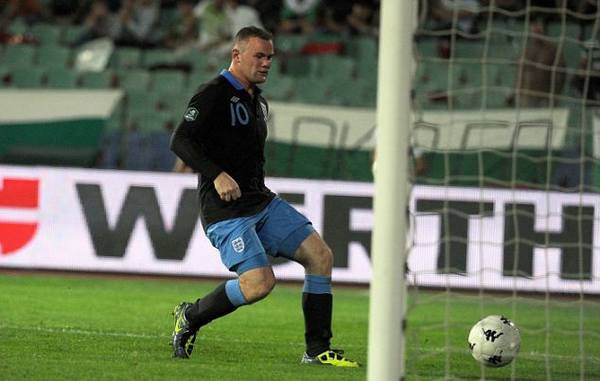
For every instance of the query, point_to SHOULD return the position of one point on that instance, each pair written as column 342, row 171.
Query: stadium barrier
column 69, row 127
column 60, row 127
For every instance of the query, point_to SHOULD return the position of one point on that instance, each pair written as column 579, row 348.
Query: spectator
column 269, row 10
column 241, row 16
column 98, row 23
column 361, row 21
column 541, row 75
column 64, row 10
column 219, row 20
column 30, row 11
column 585, row 8
column 442, row 14
column 183, row 32
column 333, row 16
column 214, row 34
column 299, row 16
column 135, row 23
column 589, row 71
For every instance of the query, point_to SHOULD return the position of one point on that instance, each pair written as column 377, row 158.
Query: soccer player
column 222, row 138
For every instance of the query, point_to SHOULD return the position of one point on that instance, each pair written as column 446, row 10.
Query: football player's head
column 252, row 55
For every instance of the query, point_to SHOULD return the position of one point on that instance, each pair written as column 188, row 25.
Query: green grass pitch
column 89, row 328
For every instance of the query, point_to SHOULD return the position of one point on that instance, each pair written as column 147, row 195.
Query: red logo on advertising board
column 17, row 194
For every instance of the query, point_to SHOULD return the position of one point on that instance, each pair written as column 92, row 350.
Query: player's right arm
column 194, row 131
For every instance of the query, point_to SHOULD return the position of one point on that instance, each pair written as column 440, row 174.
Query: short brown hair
column 252, row 31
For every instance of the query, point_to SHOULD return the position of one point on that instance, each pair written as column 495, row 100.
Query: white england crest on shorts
column 190, row 114
column 238, row 244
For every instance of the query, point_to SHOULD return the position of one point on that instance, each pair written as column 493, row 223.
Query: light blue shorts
column 245, row 242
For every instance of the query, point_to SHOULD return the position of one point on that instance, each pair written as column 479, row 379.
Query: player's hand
column 227, row 188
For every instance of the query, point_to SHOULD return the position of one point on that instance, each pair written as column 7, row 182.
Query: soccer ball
column 494, row 341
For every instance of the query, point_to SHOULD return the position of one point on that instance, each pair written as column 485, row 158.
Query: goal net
column 506, row 205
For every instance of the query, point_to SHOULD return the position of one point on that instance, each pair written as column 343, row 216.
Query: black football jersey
column 224, row 128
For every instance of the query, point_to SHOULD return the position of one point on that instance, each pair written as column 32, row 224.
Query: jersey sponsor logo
column 18, row 197
column 191, row 114
column 238, row 244
column 239, row 114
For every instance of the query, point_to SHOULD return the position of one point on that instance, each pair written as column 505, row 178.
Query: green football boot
column 333, row 357
column 184, row 335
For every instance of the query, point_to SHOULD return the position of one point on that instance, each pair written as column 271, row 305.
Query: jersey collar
column 235, row 83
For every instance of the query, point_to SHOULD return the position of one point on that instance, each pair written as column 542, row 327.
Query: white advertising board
column 138, row 222
column 342, row 127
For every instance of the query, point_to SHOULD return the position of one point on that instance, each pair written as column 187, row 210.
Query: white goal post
column 386, row 342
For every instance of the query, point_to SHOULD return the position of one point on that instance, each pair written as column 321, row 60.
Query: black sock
column 317, row 322
column 212, row 306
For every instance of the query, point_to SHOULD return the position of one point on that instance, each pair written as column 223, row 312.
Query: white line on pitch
column 77, row 331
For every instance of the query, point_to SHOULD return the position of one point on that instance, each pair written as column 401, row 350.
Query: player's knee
column 266, row 287
column 327, row 259
column 258, row 286
column 261, row 290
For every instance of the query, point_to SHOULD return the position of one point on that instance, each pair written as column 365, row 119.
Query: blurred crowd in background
column 203, row 24
column 206, row 24
column 470, row 54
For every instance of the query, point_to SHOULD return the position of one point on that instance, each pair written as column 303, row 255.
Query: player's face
column 255, row 60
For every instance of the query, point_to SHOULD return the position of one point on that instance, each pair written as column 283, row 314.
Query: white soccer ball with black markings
column 494, row 341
